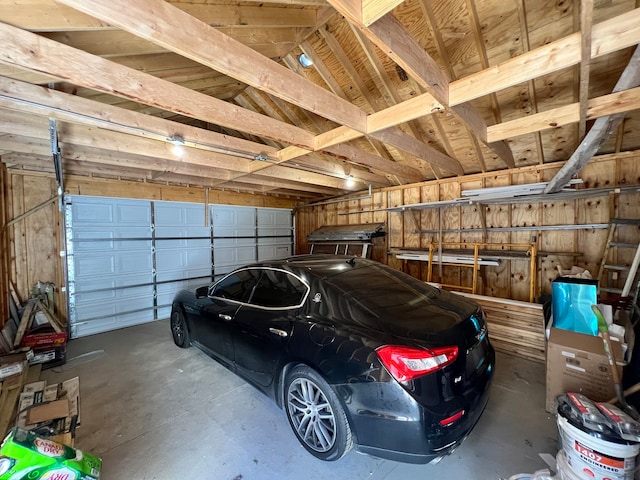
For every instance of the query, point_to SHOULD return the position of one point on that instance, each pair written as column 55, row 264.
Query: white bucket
column 564, row 469
column 593, row 458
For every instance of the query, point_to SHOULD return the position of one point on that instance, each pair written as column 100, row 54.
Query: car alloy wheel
column 179, row 329
column 316, row 415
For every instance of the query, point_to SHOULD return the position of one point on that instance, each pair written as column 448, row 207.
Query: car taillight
column 406, row 363
column 449, row 420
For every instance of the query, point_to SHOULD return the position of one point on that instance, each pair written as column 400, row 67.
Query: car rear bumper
column 402, row 438
column 389, row 423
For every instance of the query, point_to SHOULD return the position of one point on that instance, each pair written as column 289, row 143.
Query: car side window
column 278, row 289
column 237, row 286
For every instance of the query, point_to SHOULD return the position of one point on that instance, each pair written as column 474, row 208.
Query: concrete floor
column 153, row 411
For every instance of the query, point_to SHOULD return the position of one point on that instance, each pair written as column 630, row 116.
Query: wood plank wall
column 31, row 247
column 510, row 280
column 4, row 248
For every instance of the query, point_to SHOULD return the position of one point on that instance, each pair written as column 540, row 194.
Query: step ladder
column 612, row 270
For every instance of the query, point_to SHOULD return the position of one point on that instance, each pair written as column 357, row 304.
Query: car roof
column 319, row 265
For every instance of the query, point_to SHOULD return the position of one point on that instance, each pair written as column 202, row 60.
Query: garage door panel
column 127, row 258
column 272, row 252
column 234, row 255
column 226, row 215
column 100, row 297
column 102, row 210
column 191, row 243
column 105, row 265
column 183, row 250
column 235, row 238
column 183, row 260
column 179, row 213
column 108, row 241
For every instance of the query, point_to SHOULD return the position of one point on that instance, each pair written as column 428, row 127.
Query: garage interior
column 490, row 146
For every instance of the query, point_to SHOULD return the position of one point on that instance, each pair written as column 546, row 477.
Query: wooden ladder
column 612, row 268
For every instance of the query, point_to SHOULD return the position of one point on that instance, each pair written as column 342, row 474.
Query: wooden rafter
column 41, row 101
column 333, row 86
column 393, row 38
column 50, row 16
column 606, row 37
column 586, row 23
column 531, row 84
column 601, row 129
column 390, row 91
column 174, row 30
column 614, row 103
column 399, row 139
column 31, row 51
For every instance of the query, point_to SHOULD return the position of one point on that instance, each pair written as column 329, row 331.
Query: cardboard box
column 578, row 363
column 44, row 340
column 38, row 408
column 51, row 357
column 48, row 411
column 11, row 369
column 25, row 455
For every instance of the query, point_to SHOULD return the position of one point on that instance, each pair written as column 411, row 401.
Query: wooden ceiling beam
column 373, row 10
column 98, row 155
column 609, row 36
column 334, row 86
column 531, row 84
column 614, row 103
column 320, row 165
column 40, row 146
column 29, row 50
column 174, row 29
column 409, row 144
column 50, row 16
column 425, row 155
column 109, row 43
column 17, row 124
column 586, row 24
column 372, row 178
column 378, row 123
column 48, row 103
column 602, row 128
column 393, row 38
column 390, row 90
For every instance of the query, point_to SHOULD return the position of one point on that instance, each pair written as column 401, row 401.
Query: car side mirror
column 202, row 292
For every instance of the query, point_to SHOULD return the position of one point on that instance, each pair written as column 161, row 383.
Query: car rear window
column 378, row 290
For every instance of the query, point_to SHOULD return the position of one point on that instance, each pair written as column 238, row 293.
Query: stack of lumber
column 515, row 327
column 18, row 373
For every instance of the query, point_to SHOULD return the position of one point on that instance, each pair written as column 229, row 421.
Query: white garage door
column 126, row 259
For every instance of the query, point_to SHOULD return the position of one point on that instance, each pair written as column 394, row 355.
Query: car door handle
column 280, row 333
column 226, row 318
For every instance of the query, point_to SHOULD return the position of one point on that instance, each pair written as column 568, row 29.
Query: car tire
column 179, row 329
column 316, row 415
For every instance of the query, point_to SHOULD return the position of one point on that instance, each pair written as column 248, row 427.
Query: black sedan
column 358, row 354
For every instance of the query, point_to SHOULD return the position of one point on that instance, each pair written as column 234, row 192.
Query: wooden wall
column 31, row 246
column 511, row 279
column 4, row 249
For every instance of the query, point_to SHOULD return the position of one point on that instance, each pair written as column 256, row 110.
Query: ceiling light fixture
column 304, row 60
column 178, row 145
column 350, row 181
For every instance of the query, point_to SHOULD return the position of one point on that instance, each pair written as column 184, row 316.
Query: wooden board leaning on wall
column 516, row 328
